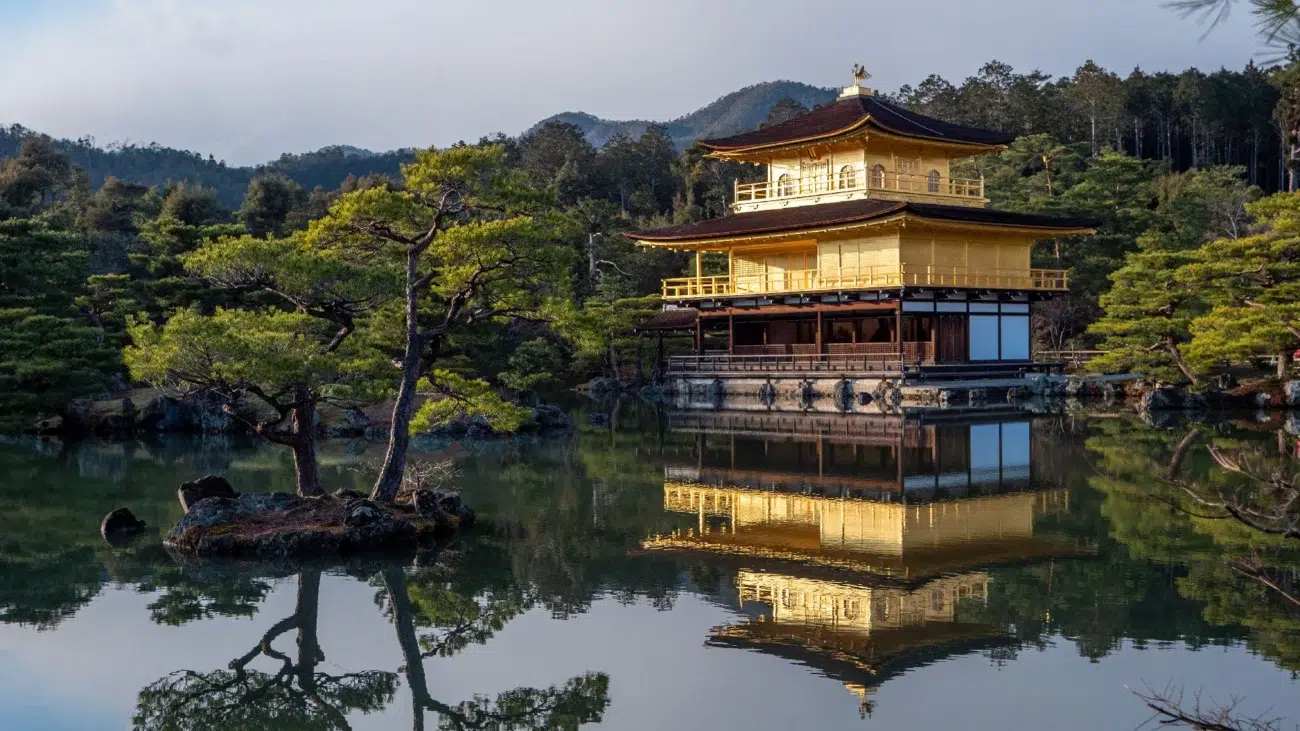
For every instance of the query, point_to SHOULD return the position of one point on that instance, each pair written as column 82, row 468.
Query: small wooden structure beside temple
column 859, row 256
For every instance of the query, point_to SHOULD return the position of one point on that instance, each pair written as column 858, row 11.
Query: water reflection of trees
column 1152, row 519
column 560, row 519
column 435, row 614
column 297, row 695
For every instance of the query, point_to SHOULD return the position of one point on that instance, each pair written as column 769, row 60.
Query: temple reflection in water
column 855, row 540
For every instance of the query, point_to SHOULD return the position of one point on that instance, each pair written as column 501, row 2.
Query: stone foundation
column 870, row 395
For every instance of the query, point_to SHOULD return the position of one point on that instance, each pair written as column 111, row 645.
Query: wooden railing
column 809, row 185
column 882, row 277
column 888, row 360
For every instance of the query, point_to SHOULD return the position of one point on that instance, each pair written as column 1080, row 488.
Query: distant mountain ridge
column 739, row 111
column 154, row 164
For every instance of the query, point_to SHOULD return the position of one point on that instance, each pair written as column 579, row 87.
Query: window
column 784, row 185
column 937, row 600
column 932, row 181
column 852, row 608
column 983, row 336
column 1015, row 338
column 848, row 178
column 878, row 176
column 817, row 176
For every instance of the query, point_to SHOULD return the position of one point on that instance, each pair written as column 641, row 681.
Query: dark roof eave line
column 1065, row 228
column 855, row 128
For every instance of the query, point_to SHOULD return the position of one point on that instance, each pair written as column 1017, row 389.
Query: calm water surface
column 712, row 571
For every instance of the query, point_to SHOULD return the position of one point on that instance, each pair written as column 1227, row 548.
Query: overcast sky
column 249, row 79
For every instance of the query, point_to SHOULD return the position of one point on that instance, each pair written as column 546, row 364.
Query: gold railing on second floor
column 877, row 277
column 788, row 186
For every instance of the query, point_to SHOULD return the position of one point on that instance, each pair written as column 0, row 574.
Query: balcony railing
column 878, row 277
column 810, row 185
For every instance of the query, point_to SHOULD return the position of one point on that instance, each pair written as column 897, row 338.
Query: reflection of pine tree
column 457, row 624
column 296, row 695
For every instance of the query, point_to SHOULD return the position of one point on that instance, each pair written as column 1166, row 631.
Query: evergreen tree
column 270, row 201
column 1253, row 283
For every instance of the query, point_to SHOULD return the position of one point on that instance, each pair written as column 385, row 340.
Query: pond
column 721, row 570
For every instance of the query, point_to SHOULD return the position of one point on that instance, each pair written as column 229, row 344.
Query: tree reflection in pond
column 582, row 699
column 298, row 694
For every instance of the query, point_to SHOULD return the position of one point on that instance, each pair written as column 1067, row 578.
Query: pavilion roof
column 849, row 114
column 809, row 217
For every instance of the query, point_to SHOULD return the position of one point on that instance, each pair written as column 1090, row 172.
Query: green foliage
column 455, row 396
column 536, row 365
column 602, row 333
column 49, row 354
column 1148, row 312
column 1253, row 283
column 47, row 361
column 233, row 350
column 270, row 201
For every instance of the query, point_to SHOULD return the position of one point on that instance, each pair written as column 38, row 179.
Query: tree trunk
column 399, row 436
column 305, row 466
column 1283, row 363
column 1177, row 355
column 1092, row 135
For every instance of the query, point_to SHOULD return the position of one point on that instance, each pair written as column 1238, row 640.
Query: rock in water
column 426, row 504
column 203, row 488
column 360, row 513
column 451, row 504
column 548, row 417
column 121, row 527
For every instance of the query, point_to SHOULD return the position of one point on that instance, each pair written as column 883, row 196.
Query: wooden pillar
column 898, row 337
column 731, row 334
column 818, row 338
column 699, row 272
column 699, row 336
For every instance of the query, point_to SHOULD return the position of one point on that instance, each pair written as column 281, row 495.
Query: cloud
column 248, row 79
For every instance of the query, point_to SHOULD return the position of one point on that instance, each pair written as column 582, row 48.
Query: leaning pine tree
column 473, row 243
column 271, row 366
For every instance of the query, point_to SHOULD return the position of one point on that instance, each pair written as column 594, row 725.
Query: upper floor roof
column 856, row 110
column 811, row 218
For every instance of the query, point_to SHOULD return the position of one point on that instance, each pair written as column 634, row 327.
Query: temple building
column 859, row 253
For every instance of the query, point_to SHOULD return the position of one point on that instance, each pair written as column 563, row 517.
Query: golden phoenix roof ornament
column 860, row 74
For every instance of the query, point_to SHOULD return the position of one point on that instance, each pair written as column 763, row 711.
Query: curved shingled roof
column 795, row 218
column 849, row 114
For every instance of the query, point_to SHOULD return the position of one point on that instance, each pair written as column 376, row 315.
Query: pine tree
column 1254, row 285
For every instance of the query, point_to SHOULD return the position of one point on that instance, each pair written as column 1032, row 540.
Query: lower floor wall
column 927, row 330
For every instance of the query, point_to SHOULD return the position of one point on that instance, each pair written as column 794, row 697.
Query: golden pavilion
column 860, row 252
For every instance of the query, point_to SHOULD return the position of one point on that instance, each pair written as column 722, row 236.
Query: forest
column 105, row 251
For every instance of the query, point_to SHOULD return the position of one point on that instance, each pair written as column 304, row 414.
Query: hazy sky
column 248, row 79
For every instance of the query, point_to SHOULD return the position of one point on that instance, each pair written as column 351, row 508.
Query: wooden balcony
column 882, row 359
column 911, row 184
column 880, row 277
